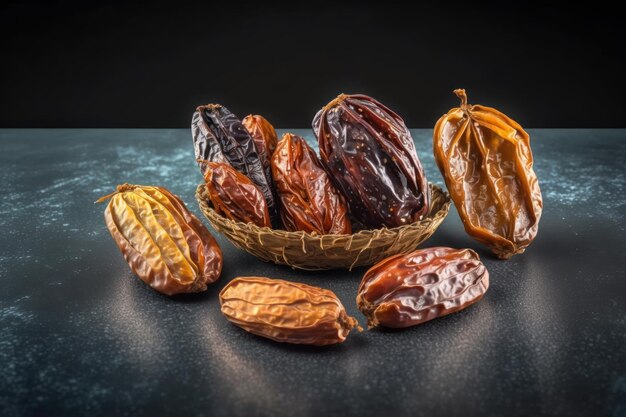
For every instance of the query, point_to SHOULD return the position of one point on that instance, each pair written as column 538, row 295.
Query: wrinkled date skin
column 486, row 161
column 264, row 136
column 309, row 200
column 370, row 154
column 164, row 244
column 219, row 136
column 286, row 311
column 405, row 290
column 234, row 195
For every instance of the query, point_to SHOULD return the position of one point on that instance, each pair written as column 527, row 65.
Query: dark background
column 147, row 64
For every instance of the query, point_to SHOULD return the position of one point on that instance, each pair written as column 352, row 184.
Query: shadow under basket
column 314, row 252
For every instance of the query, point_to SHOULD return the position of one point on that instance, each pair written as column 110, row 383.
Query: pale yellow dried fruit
column 164, row 244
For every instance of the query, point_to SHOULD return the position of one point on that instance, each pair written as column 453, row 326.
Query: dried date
column 370, row 154
column 235, row 196
column 264, row 136
column 405, row 290
column 164, row 244
column 286, row 311
column 309, row 200
column 219, row 136
column 487, row 164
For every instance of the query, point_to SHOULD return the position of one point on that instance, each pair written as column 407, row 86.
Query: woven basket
column 314, row 252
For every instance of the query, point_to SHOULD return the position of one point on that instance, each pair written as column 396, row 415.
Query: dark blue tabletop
column 80, row 335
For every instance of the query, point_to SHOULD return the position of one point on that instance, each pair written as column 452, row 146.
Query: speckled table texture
column 80, row 335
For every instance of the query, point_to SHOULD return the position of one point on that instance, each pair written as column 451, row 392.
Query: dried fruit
column 164, row 244
column 370, row 154
column 219, row 136
column 264, row 136
column 234, row 195
column 486, row 161
column 286, row 311
column 405, row 290
column 309, row 201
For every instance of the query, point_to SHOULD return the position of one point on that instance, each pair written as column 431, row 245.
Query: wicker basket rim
column 368, row 233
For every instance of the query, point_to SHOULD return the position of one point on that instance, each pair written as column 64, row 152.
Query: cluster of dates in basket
column 368, row 169
column 364, row 200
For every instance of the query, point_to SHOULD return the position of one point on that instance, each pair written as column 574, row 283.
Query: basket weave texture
column 315, row 252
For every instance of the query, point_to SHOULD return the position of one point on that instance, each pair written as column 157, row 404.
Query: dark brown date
column 219, row 136
column 235, row 196
column 309, row 201
column 405, row 290
column 370, row 154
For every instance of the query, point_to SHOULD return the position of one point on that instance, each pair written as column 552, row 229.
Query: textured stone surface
column 81, row 335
